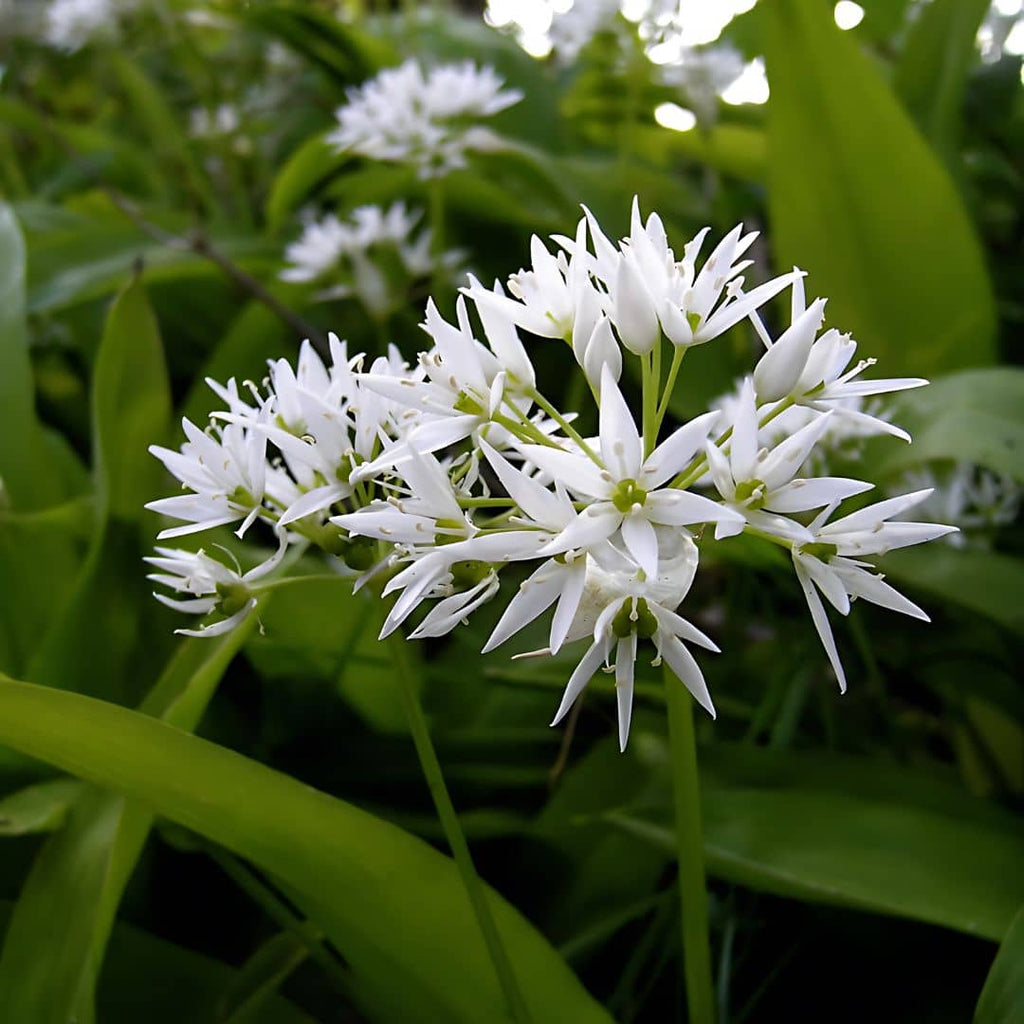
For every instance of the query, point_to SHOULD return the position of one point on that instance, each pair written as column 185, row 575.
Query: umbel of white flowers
column 424, row 118
column 432, row 480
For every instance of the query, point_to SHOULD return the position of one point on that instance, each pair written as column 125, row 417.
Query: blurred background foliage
column 865, row 852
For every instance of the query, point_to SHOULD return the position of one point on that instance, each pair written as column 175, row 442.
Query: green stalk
column 679, row 351
column 648, row 403
column 570, row 430
column 453, row 830
column 693, row 893
column 435, row 189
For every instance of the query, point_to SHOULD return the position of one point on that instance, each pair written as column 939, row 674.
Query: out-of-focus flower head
column 427, row 118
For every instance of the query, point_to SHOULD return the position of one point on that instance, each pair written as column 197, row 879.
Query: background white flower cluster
column 431, row 480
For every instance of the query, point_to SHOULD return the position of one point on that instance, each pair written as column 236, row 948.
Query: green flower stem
column 649, row 402
column 524, row 429
column 435, row 198
column 453, row 830
column 570, row 430
column 679, row 351
column 699, row 466
column 693, row 893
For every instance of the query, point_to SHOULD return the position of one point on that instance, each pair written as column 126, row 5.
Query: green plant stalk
column 435, row 199
column 693, row 893
column 453, row 830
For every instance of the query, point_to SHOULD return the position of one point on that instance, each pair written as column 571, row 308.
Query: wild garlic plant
column 432, row 481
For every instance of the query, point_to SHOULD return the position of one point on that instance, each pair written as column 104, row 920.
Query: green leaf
column 859, row 201
column 22, row 456
column 150, row 979
column 379, row 893
column 260, row 977
column 986, row 582
column 131, row 408
column 38, row 559
column 311, row 165
column 80, row 874
column 131, row 405
column 157, row 118
column 340, row 50
column 932, row 71
column 835, row 830
column 1002, row 998
column 40, row 808
column 974, row 416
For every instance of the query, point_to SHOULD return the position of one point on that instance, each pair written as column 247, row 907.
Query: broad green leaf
column 151, row 979
column 306, row 170
column 80, row 874
column 859, row 201
column 974, row 416
column 42, row 807
column 379, row 893
column 1002, row 998
column 986, row 582
column 847, row 849
column 23, row 486
column 932, row 70
column 131, row 405
column 734, row 149
column 37, row 558
column 343, row 52
column 157, row 118
column 77, row 266
column 131, row 409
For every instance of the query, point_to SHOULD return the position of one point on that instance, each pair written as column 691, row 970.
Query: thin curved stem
column 693, row 893
column 453, row 830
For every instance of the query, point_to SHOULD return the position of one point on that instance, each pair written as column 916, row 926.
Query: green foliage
column 287, row 858
column 377, row 892
column 859, row 201
column 1002, row 998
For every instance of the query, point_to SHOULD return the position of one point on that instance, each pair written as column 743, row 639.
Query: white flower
column 406, row 115
column 375, row 255
column 626, row 491
column 211, row 584
column 212, row 123
column 752, row 478
column 71, row 24
column 704, row 73
column 830, row 563
column 225, row 467
column 631, row 607
column 465, row 382
column 968, row 496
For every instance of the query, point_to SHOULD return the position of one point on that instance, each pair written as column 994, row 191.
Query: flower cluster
column 375, row 255
column 424, row 118
column 431, row 481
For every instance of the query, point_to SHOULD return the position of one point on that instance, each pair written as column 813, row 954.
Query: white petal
column 589, row 664
column 222, row 627
column 682, row 508
column 313, row 501
column 686, row 670
column 621, row 448
column 573, row 579
column 593, row 525
column 577, row 472
column 641, row 542
column 743, row 444
column 676, row 451
column 820, row 620
column 779, row 369
column 816, row 492
column 535, row 595
column 625, row 661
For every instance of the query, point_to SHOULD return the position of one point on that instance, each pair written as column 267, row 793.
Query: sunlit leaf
column 859, row 201
column 378, row 892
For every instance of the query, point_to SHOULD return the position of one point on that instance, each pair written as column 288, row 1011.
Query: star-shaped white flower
column 626, row 491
